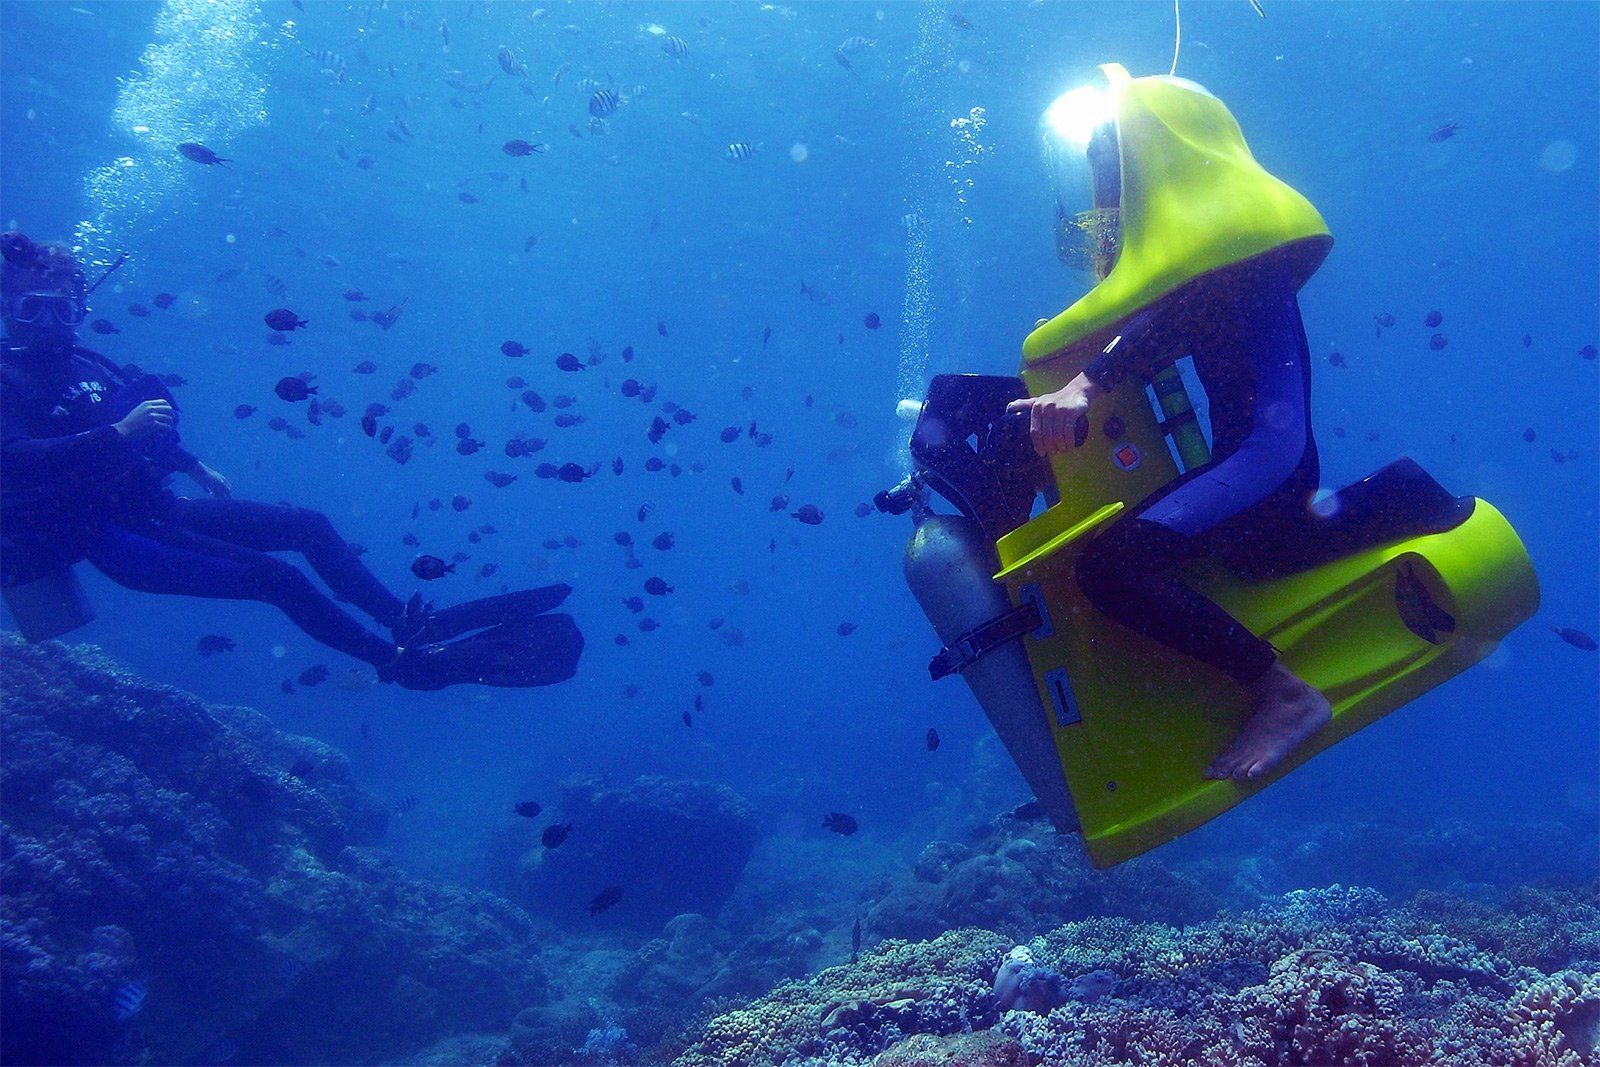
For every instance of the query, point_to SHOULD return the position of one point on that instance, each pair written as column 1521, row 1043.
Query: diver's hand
column 210, row 480
column 152, row 416
column 1057, row 421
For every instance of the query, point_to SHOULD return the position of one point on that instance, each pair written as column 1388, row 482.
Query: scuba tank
column 965, row 450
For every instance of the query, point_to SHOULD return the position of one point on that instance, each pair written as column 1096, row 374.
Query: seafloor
column 183, row 883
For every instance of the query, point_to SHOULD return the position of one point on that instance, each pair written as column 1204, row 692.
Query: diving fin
column 521, row 654
column 422, row 624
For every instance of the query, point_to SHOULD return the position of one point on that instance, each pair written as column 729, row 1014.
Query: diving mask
column 32, row 308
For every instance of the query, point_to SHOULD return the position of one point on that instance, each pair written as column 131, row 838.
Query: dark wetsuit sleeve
column 44, row 463
column 1110, row 369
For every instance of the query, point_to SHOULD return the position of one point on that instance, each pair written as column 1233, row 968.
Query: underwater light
column 1075, row 115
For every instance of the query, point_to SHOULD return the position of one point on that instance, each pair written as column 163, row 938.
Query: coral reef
column 847, row 1013
column 673, row 846
column 1334, row 976
column 220, row 869
column 1024, row 879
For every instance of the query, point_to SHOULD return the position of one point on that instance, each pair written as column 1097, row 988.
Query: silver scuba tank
column 949, row 565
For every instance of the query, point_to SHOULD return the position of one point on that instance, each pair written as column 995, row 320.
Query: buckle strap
column 984, row 638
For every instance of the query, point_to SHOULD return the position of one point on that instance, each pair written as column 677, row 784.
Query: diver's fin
column 528, row 652
column 443, row 624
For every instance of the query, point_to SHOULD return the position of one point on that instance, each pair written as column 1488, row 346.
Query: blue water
column 1495, row 227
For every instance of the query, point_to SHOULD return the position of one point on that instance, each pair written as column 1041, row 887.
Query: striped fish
column 739, row 150
column 128, row 1000
column 328, row 60
column 603, row 103
column 276, row 286
column 676, row 47
column 852, row 45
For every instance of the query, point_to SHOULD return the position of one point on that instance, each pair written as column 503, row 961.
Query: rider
column 1242, row 325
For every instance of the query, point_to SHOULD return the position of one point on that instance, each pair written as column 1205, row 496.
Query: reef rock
column 181, row 882
column 671, row 846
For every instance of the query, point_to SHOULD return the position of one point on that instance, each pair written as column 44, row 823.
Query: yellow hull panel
column 1135, row 723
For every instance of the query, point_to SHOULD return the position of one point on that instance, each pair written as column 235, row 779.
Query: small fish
column 661, row 328
column 127, row 1001
column 738, row 151
column 293, row 389
column 201, row 154
column 809, row 514
column 369, row 425
column 657, row 587
column 1576, row 638
column 706, row 679
column 517, row 147
column 244, row 411
column 313, row 676
column 138, row 311
column 1444, row 133
column 1438, row 341
column 603, row 103
column 105, row 327
column 1336, row 359
column 406, row 804
column 528, row 809
column 1432, row 319
column 933, row 739
column 211, row 644
column 499, row 479
column 1587, row 352
column 283, row 320
column 676, row 47
column 431, row 568
column 663, row 541
column 555, row 834
column 1529, row 435
column 871, row 320
column 688, row 719
column 839, row 823
column 568, row 362
column 737, row 484
column 605, row 899
column 845, row 629
column 164, row 300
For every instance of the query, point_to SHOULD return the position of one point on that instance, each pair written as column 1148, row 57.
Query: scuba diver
column 1184, row 620
column 86, row 448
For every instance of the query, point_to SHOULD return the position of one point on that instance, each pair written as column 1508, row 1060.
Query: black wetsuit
column 1244, row 331
column 72, row 488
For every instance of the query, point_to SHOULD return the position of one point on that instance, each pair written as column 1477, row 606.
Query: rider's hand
column 1059, row 420
column 152, row 416
column 211, row 480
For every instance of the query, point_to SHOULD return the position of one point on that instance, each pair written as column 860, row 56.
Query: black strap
column 979, row 641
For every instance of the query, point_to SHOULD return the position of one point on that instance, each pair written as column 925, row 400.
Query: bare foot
column 1287, row 712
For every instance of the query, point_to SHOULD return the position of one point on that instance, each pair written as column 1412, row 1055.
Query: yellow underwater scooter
column 1387, row 588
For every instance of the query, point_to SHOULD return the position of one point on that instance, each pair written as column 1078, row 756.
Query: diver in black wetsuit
column 85, row 450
